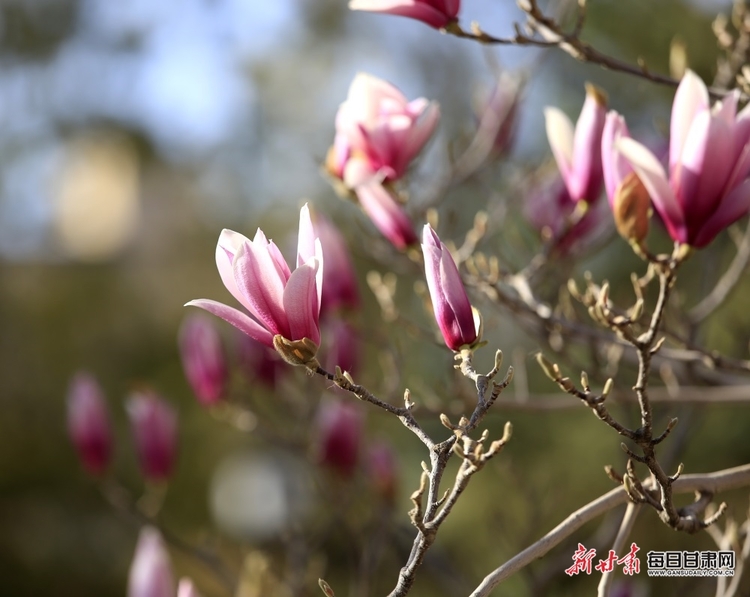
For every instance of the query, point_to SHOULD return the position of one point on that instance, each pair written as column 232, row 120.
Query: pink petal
column 653, row 177
column 258, row 280
column 238, row 319
column 703, row 169
column 387, row 215
column 227, row 247
column 406, row 8
column 306, row 237
column 560, row 136
column 690, row 99
column 584, row 182
column 614, row 165
column 421, row 131
column 301, row 304
column 734, row 206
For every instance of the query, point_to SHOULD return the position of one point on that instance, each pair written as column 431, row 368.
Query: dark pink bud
column 150, row 571
column 458, row 322
column 154, row 424
column 339, row 427
column 381, row 469
column 88, row 423
column 203, row 359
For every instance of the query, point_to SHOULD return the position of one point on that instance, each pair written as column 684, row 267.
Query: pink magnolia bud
column 339, row 428
column 435, row 13
column 339, row 278
column 381, row 468
column 203, row 359
column 706, row 188
column 280, row 302
column 578, row 152
column 457, row 320
column 154, row 424
column 150, row 571
column 88, row 423
column 186, row 588
column 379, row 132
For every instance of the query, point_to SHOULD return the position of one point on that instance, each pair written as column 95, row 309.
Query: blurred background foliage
column 132, row 132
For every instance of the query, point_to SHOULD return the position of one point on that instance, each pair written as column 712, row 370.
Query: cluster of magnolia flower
column 298, row 313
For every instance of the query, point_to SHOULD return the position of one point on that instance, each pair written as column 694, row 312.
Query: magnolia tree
column 640, row 349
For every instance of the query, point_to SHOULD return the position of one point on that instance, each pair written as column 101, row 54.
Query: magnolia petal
column 306, row 236
column 422, row 130
column 226, row 248
column 560, row 135
column 734, row 206
column 455, row 296
column 409, row 8
column 653, row 177
column 387, row 215
column 585, row 179
column 263, row 290
column 238, row 319
column 704, row 168
column 302, row 305
column 614, row 165
column 690, row 99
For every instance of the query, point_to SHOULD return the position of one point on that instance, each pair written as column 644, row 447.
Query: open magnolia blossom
column 458, row 321
column 706, row 189
column 435, row 13
column 281, row 303
column 378, row 131
column 578, row 151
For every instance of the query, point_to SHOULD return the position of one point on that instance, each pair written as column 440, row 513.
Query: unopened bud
column 631, row 209
column 584, row 380
column 607, row 387
column 547, row 367
column 637, row 311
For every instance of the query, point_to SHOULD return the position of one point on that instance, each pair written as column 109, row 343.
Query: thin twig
column 712, row 482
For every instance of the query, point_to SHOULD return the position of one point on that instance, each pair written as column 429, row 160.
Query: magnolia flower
column 154, row 424
column 456, row 318
column 88, row 423
column 203, row 359
column 578, row 151
column 706, row 189
column 284, row 306
column 150, row 571
column 435, row 13
column 378, row 132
